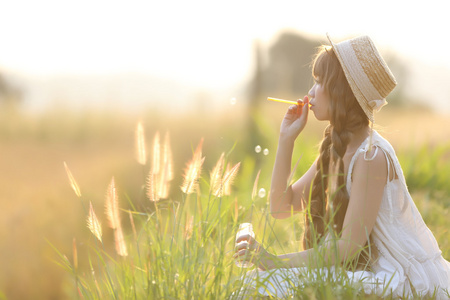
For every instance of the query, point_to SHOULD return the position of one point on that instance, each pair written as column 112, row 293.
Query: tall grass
column 182, row 246
column 38, row 204
column 181, row 249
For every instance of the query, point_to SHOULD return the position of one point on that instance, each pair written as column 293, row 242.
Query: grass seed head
column 168, row 158
column 152, row 193
column 193, row 171
column 112, row 212
column 94, row 224
column 73, row 183
column 140, row 145
column 216, row 175
column 156, row 153
column 112, row 206
column 229, row 178
column 161, row 172
column 166, row 173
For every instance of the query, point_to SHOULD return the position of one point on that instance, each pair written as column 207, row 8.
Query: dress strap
column 388, row 187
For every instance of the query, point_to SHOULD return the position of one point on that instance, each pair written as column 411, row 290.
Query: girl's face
column 320, row 101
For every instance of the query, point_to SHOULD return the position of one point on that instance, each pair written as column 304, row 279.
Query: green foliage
column 428, row 168
column 98, row 145
column 183, row 248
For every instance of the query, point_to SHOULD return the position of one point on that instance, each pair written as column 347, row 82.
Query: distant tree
column 285, row 74
column 288, row 71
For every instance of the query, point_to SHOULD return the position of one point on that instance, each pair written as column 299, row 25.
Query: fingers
column 244, row 253
column 242, row 246
column 251, row 251
column 245, row 237
column 305, row 108
column 245, row 245
column 299, row 108
column 250, row 245
column 306, row 99
column 293, row 109
column 257, row 257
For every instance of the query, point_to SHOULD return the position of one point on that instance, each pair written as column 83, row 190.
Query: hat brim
column 356, row 91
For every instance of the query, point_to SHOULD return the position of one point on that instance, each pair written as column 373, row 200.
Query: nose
column 312, row 92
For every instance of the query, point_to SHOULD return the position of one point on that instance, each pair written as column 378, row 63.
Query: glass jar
column 244, row 229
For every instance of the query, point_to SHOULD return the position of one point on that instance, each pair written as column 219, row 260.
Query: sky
column 206, row 44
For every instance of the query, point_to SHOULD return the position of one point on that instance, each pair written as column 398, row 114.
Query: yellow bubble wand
column 285, row 101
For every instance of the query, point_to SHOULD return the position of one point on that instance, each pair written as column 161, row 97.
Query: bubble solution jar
column 244, row 229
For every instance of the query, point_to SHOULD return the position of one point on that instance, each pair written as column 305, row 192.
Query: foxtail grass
column 73, row 182
column 141, row 155
column 193, row 171
column 184, row 248
column 94, row 224
column 161, row 171
column 114, row 220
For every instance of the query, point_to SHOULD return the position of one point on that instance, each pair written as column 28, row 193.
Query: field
column 179, row 247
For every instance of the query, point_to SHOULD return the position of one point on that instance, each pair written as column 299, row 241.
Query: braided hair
column 329, row 198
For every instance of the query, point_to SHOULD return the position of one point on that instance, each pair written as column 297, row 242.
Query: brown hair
column 329, row 197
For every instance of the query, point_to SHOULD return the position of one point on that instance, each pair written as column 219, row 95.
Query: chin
column 320, row 117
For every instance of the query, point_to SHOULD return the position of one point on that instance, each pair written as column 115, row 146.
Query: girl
column 359, row 213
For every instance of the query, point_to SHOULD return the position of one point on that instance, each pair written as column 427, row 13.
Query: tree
column 288, row 72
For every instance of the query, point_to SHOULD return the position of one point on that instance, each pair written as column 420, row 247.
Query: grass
column 183, row 248
column 178, row 247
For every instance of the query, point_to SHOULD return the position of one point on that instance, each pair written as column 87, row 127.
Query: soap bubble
column 266, row 151
column 262, row 193
column 258, row 149
column 233, row 100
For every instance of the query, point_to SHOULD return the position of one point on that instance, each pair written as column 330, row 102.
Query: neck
column 358, row 137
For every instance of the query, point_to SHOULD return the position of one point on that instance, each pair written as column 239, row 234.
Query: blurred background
column 77, row 76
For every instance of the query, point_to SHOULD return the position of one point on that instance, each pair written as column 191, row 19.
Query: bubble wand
column 286, row 101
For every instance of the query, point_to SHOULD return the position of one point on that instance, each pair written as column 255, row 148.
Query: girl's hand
column 295, row 119
column 248, row 249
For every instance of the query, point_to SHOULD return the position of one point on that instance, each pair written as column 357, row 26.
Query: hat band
column 374, row 101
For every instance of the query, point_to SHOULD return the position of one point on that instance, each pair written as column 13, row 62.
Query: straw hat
column 367, row 73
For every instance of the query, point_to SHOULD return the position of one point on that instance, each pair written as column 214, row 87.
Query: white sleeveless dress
column 409, row 259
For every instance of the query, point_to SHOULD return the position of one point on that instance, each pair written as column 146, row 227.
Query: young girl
column 355, row 191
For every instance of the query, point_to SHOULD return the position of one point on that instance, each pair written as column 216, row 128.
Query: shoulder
column 371, row 164
column 381, row 142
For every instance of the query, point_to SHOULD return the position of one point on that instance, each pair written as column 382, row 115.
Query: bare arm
column 294, row 195
column 369, row 180
column 282, row 196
